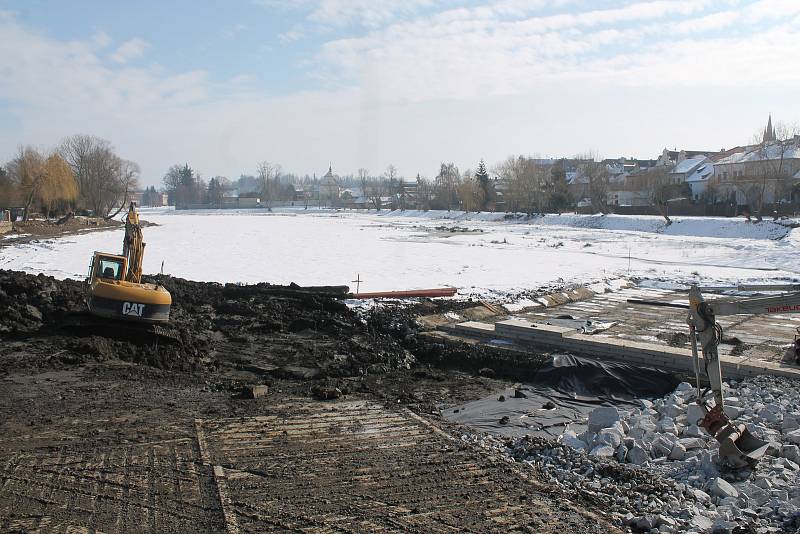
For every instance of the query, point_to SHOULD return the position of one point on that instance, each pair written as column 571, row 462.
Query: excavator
column 738, row 446
column 114, row 287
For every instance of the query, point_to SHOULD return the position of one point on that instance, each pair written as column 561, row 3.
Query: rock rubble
column 657, row 471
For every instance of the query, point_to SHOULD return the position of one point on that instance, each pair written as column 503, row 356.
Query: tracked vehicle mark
column 356, row 466
column 130, row 488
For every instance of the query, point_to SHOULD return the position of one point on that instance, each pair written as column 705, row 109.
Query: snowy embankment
column 687, row 488
column 718, row 227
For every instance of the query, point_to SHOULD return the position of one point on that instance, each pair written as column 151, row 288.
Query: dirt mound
column 279, row 331
column 28, row 303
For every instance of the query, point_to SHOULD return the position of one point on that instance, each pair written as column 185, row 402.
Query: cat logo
column 132, row 308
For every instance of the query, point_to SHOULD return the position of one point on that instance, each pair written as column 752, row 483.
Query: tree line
column 518, row 184
column 84, row 173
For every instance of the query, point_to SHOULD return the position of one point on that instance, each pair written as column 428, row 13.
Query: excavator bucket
column 739, row 448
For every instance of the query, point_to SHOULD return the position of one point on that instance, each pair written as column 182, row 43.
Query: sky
column 223, row 85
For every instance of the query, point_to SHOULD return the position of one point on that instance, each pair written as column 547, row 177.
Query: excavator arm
column 738, row 447
column 133, row 246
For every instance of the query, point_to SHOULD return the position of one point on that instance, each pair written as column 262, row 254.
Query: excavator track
column 85, row 325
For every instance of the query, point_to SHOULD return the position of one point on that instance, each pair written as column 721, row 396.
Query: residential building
column 773, row 165
column 699, row 179
column 628, row 197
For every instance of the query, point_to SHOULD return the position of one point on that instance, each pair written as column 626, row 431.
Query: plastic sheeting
column 562, row 394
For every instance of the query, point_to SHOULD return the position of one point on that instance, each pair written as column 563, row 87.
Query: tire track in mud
column 354, row 466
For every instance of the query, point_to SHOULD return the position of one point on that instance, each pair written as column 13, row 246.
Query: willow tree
column 58, row 187
column 46, row 181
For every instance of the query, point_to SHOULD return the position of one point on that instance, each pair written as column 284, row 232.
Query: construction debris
column 663, row 438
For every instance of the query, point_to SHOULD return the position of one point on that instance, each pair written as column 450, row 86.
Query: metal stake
column 357, row 281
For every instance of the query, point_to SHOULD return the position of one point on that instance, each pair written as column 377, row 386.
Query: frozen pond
column 404, row 252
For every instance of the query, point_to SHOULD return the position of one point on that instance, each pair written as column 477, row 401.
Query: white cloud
column 101, row 39
column 130, row 49
column 337, row 13
column 646, row 43
column 292, row 35
column 414, row 90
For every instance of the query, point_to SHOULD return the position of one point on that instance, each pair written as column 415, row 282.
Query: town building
column 771, row 166
column 329, row 188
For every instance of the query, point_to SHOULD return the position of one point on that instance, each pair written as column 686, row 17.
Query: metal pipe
column 437, row 292
column 658, row 303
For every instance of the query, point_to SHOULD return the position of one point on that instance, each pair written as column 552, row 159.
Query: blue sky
column 223, row 85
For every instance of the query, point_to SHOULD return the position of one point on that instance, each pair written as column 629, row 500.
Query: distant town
column 756, row 180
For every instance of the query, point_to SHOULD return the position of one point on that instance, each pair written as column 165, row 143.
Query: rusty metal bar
column 437, row 292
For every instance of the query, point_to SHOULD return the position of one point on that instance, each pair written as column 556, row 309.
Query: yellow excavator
column 114, row 284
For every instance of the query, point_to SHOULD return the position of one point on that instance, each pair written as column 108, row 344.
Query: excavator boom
column 133, row 246
column 738, row 446
column 788, row 303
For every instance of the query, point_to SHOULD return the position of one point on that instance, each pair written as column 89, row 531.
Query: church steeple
column 769, row 131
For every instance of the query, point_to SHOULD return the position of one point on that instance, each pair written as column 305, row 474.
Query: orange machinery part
column 438, row 292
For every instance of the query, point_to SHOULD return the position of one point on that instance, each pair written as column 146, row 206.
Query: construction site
column 151, row 403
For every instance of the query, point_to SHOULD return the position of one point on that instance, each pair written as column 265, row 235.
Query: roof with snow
column 688, row 165
column 702, row 173
column 757, row 153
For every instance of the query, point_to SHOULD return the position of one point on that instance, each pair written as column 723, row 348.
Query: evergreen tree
column 559, row 196
column 482, row 177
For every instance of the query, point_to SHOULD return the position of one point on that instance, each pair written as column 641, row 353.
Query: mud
column 105, row 429
column 309, row 335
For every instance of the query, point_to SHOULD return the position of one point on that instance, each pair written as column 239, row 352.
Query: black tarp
column 563, row 393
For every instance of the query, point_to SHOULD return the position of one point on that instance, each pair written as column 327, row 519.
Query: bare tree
column 375, row 189
column 656, row 183
column 446, row 185
column 424, row 193
column 9, row 190
column 363, row 181
column 104, row 179
column 268, row 175
column 527, row 184
column 597, row 175
column 470, row 192
column 394, row 186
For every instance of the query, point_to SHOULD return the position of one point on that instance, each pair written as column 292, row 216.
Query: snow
column 481, row 254
column 771, row 151
column 688, row 165
column 701, row 174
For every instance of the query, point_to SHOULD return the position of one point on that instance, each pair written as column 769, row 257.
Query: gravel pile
column 654, row 470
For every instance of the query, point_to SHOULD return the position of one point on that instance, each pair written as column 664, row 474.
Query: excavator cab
column 114, row 286
column 107, row 267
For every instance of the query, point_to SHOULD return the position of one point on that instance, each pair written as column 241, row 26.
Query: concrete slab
column 560, row 338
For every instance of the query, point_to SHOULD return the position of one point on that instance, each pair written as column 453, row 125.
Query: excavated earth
column 261, row 408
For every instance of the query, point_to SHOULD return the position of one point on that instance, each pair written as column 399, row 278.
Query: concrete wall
column 649, row 354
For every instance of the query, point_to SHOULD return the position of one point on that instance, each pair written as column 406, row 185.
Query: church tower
column 769, row 131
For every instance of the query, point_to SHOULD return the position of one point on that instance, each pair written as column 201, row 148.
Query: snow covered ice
column 482, row 254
